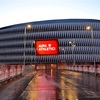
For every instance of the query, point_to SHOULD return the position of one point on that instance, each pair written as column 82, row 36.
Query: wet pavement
column 62, row 85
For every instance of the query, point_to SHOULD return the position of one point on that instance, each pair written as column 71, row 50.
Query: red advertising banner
column 46, row 47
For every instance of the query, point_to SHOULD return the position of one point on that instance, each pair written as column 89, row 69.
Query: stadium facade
column 76, row 44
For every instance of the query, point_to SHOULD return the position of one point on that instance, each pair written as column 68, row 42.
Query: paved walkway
column 62, row 85
column 13, row 89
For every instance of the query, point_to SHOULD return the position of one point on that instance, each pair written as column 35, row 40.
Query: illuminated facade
column 76, row 43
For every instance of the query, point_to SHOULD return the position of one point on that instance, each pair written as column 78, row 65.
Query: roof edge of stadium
column 51, row 22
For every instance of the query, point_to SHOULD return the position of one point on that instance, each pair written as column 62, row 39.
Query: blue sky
column 20, row 11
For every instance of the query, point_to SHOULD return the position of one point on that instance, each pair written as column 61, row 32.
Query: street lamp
column 31, row 52
column 73, row 46
column 64, row 54
column 92, row 37
column 28, row 26
column 35, row 55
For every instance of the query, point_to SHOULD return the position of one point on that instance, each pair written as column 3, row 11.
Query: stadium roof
column 52, row 21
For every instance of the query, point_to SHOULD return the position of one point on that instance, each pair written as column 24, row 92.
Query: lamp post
column 35, row 55
column 32, row 54
column 73, row 46
column 28, row 26
column 64, row 54
column 92, row 37
column 31, row 51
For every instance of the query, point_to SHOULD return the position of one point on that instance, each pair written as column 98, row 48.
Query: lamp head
column 70, row 42
column 63, row 49
column 88, row 28
column 28, row 26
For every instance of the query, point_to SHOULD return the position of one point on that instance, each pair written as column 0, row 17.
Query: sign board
column 46, row 47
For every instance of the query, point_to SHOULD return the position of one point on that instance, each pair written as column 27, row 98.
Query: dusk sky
column 21, row 11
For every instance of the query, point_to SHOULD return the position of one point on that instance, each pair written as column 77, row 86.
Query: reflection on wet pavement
column 81, row 86
column 40, row 88
column 62, row 85
column 53, row 85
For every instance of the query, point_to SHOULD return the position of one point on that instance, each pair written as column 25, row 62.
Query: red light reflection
column 46, row 91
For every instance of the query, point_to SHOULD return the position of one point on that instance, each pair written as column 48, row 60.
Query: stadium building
column 78, row 42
